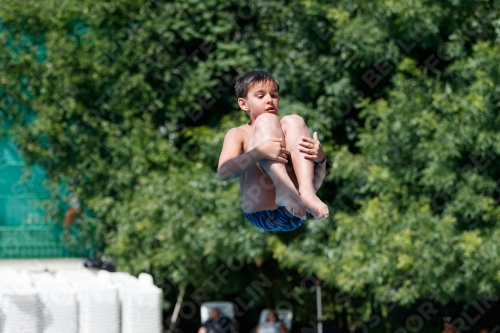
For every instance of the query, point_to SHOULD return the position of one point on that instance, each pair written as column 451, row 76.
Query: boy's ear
column 243, row 104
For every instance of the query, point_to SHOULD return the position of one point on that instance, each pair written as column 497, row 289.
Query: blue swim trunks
column 274, row 220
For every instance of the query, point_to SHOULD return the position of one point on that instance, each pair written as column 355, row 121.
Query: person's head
column 484, row 330
column 214, row 313
column 258, row 93
column 447, row 323
column 272, row 316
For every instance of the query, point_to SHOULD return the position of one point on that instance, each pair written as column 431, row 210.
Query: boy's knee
column 266, row 118
column 292, row 119
column 265, row 122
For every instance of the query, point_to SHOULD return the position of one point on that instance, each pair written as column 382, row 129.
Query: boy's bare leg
column 294, row 128
column 267, row 126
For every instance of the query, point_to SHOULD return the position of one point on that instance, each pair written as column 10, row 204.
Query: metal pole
column 318, row 304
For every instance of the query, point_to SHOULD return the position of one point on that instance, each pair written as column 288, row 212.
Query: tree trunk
column 175, row 315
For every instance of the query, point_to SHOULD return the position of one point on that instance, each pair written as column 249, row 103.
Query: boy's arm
column 232, row 164
column 319, row 175
column 311, row 147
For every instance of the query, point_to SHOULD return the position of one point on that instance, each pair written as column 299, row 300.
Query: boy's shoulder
column 243, row 131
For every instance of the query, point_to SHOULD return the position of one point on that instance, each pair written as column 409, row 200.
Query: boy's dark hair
column 245, row 82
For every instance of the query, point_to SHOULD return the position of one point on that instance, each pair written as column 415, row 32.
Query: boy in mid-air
column 278, row 165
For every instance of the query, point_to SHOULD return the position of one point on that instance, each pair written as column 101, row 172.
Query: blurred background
column 112, row 119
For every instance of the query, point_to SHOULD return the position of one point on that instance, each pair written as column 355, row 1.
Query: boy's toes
column 300, row 212
column 295, row 211
column 325, row 212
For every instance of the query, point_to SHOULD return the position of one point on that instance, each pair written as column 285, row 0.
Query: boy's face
column 262, row 98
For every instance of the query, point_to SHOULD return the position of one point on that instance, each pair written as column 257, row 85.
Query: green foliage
column 130, row 100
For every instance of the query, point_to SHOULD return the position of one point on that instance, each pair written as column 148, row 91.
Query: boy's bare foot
column 314, row 204
column 291, row 201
